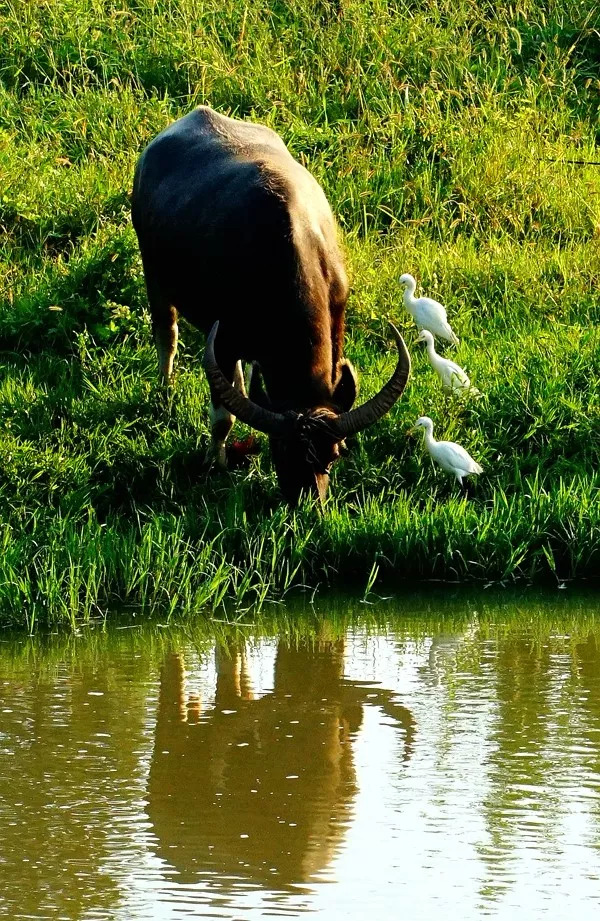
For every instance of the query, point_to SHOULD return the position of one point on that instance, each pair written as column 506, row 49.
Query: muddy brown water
column 414, row 760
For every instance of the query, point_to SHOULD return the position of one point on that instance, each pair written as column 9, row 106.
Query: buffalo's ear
column 346, row 388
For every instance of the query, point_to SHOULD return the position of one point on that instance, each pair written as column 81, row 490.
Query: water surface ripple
column 375, row 768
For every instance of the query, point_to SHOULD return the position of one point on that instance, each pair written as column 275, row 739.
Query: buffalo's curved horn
column 265, row 420
column 360, row 418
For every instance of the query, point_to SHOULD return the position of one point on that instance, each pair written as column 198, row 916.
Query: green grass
column 442, row 133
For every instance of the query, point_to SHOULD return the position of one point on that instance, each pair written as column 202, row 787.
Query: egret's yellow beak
column 411, row 431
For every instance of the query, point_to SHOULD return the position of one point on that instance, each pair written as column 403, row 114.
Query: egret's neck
column 431, row 350
column 429, row 439
column 409, row 294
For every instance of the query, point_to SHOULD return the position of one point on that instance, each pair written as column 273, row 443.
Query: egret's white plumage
column 450, row 456
column 451, row 375
column 427, row 313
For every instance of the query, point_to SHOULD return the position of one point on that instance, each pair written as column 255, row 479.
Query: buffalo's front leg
column 221, row 420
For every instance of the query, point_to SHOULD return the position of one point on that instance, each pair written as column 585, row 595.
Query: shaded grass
column 441, row 134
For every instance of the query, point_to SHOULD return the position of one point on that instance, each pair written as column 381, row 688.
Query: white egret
column 427, row 313
column 450, row 456
column 451, row 375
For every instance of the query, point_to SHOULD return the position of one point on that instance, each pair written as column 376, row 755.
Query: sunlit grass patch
column 444, row 136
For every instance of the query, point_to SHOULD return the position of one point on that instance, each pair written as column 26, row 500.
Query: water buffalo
column 234, row 231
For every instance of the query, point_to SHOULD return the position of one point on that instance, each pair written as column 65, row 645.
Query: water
column 442, row 762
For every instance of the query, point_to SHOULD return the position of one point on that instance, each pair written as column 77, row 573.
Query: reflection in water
column 405, row 769
column 259, row 787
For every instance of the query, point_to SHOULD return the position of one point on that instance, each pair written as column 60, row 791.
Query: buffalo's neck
column 300, row 364
column 299, row 389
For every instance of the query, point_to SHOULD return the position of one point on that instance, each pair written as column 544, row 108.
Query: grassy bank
column 442, row 134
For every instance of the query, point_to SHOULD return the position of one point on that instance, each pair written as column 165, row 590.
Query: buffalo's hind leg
column 221, row 420
column 164, row 328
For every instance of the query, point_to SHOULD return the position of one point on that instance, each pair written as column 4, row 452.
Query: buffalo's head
column 306, row 443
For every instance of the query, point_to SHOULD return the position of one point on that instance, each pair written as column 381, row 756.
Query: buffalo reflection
column 260, row 788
